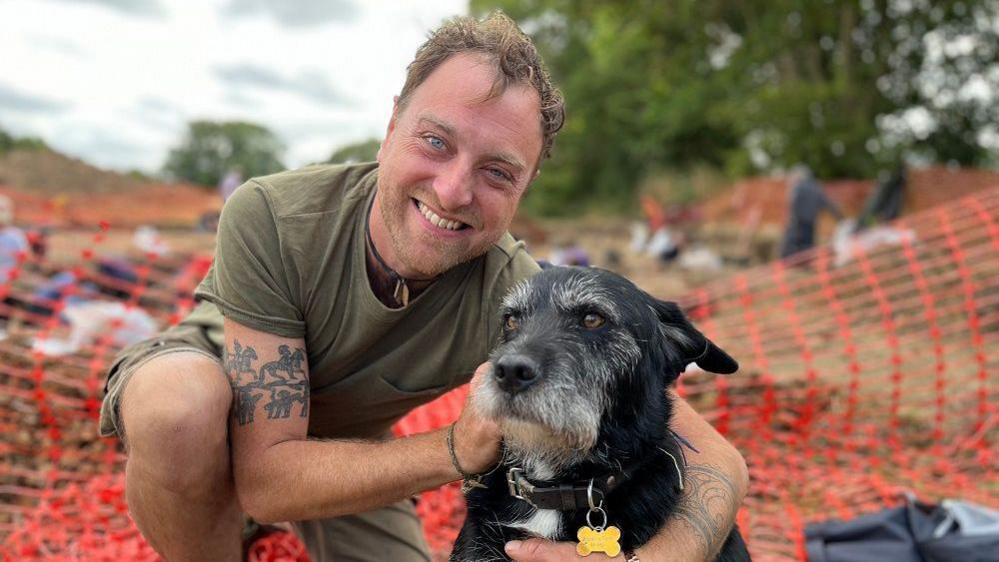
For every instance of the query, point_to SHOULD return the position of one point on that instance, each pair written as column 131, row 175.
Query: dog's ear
column 695, row 346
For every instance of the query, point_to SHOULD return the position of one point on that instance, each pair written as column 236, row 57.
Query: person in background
column 806, row 200
column 229, row 182
column 885, row 203
column 13, row 241
column 568, row 252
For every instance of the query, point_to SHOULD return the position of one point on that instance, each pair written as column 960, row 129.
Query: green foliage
column 364, row 151
column 752, row 85
column 9, row 142
column 686, row 187
column 210, row 149
column 137, row 174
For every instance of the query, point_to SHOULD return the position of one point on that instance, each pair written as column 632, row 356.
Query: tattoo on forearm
column 707, row 506
column 283, row 382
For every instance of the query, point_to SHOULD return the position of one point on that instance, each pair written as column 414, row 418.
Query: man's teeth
column 437, row 220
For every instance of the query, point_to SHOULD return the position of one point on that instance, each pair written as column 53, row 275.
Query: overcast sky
column 116, row 81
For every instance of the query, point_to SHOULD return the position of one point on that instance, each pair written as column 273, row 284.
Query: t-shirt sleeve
column 249, row 279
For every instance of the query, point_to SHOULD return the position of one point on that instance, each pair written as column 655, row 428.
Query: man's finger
column 480, row 373
column 538, row 550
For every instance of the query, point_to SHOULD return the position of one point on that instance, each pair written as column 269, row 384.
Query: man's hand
column 476, row 438
column 540, row 550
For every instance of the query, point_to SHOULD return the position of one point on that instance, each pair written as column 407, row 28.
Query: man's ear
column 694, row 346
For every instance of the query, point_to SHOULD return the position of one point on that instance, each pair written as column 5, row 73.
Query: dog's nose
column 514, row 373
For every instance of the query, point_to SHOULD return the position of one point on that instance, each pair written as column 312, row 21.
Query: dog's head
column 586, row 355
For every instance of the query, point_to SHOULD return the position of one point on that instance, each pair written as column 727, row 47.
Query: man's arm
column 828, row 204
column 280, row 475
column 715, row 485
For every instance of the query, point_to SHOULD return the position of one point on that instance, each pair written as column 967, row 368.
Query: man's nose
column 453, row 186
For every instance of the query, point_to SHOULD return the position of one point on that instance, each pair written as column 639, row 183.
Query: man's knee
column 174, row 411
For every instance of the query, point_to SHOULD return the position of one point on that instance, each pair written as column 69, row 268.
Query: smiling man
column 340, row 298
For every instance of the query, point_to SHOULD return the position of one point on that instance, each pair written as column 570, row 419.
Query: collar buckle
column 518, row 485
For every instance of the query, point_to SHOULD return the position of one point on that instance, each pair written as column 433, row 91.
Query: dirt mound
column 935, row 186
column 45, row 172
column 48, row 188
column 927, row 187
column 167, row 205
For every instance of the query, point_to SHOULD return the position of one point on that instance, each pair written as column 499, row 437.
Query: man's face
column 453, row 167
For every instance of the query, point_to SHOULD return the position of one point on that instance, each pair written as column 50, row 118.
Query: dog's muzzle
column 515, row 373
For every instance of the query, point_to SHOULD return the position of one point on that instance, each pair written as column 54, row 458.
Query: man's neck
column 385, row 286
column 393, row 290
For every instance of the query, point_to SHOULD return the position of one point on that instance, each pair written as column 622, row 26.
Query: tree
column 9, row 142
column 210, row 149
column 753, row 85
column 364, row 151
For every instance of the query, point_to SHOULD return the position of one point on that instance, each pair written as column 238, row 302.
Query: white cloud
column 297, row 13
column 148, row 8
column 128, row 91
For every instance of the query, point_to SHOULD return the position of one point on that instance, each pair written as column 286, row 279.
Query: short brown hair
column 497, row 37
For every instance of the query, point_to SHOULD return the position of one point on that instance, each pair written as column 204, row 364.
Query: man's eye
column 592, row 321
column 435, row 143
column 499, row 174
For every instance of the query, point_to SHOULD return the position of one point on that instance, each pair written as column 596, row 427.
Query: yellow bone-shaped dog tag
column 593, row 540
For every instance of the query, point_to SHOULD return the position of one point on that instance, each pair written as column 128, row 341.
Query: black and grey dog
column 578, row 387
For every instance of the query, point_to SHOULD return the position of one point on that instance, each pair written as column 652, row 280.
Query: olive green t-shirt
column 290, row 261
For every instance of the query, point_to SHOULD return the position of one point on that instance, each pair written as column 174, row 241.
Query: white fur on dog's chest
column 544, row 523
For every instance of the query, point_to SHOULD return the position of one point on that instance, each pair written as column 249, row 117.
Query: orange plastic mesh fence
column 866, row 372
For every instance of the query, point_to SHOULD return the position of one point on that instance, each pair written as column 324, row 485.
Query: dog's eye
column 510, row 322
column 592, row 321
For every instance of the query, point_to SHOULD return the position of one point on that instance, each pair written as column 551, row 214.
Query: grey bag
column 955, row 531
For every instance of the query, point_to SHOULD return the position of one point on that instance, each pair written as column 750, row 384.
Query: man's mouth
column 437, row 220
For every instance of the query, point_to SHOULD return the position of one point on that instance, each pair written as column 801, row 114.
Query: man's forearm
column 714, row 487
column 703, row 521
column 296, row 480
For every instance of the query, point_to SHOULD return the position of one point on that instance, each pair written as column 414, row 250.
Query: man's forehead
column 468, row 81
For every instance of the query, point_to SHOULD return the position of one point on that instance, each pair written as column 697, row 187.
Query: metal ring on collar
column 589, row 497
column 590, row 523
